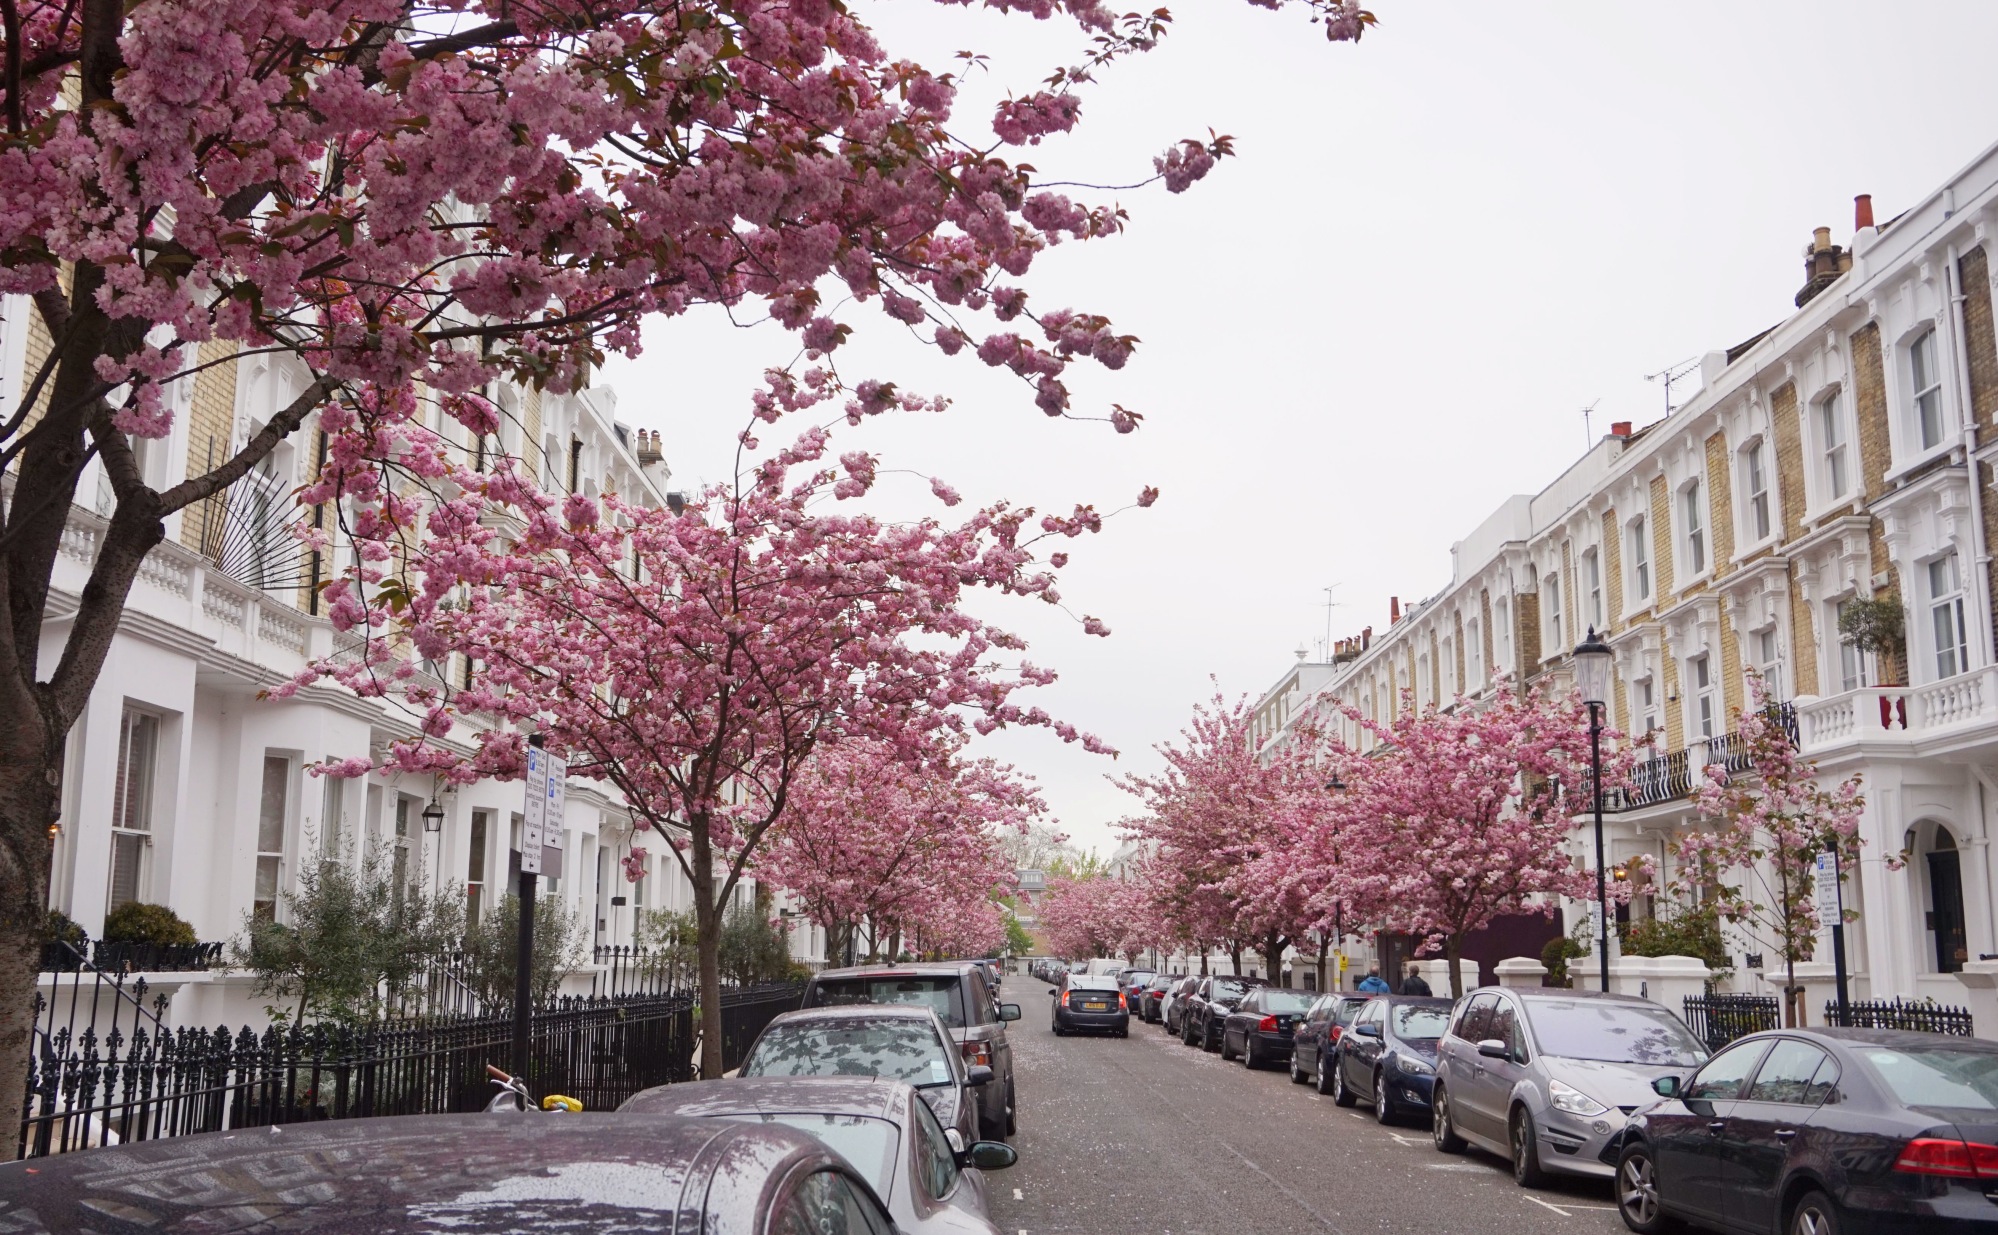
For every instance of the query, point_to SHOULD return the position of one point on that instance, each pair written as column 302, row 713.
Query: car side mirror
column 1668, row 1086
column 1492, row 1048
column 978, row 1074
column 1011, row 1011
column 1368, row 1030
column 989, row 1155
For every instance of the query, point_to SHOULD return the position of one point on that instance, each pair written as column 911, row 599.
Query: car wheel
column 1342, row 1095
column 1186, row 1031
column 1525, row 1142
column 1814, row 1215
column 1637, row 1191
column 1441, row 1131
column 1323, row 1078
column 1249, row 1057
column 1296, row 1073
column 1384, row 1108
column 1227, row 1054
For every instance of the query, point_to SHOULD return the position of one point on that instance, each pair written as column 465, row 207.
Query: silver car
column 1548, row 1077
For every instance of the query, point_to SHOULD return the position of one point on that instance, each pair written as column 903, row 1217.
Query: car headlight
column 1413, row 1067
column 1574, row 1101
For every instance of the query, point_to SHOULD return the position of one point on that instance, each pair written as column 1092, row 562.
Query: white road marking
column 1544, row 1205
column 1406, row 1140
column 1356, row 1114
column 1456, row 1166
column 1016, row 1195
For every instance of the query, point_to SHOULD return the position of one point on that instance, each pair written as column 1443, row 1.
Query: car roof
column 1093, row 981
column 1536, row 994
column 858, row 1012
column 925, row 969
column 1904, row 1038
column 831, row 1095
column 1416, row 1001
column 476, row 1174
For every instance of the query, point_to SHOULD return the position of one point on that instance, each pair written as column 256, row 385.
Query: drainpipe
column 1979, row 542
column 1985, row 791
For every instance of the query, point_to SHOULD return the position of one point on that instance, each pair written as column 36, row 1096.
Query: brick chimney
column 1620, row 428
column 1394, row 610
column 1824, row 262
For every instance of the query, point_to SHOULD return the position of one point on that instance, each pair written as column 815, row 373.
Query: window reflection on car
column 868, row 1143
column 897, row 1050
column 1420, row 1024
column 1927, row 1077
column 1613, row 1033
column 941, row 994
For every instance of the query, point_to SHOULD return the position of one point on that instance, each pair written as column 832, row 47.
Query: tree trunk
column 1273, row 945
column 28, row 793
column 707, row 942
column 1453, row 951
column 1324, row 949
column 1235, row 955
column 1203, row 960
column 1790, row 1001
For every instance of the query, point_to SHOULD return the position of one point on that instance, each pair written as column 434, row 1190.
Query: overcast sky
column 1382, row 318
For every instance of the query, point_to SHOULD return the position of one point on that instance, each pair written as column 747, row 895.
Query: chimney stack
column 1620, row 428
column 1366, row 638
column 1823, row 263
column 1394, row 610
column 1862, row 211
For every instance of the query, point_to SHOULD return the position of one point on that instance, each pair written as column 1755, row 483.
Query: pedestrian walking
column 1373, row 983
column 1412, row 983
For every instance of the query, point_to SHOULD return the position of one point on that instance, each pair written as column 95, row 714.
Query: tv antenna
column 1325, row 647
column 1588, row 431
column 1671, row 373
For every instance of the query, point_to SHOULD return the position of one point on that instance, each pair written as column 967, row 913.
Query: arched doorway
column 1944, row 915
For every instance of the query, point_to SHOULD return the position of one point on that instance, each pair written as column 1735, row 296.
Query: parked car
column 1151, row 1000
column 1132, row 983
column 957, row 993
column 906, row 1043
column 1549, row 1077
column 1312, row 1040
column 1259, row 1027
column 420, row 1174
column 1810, row 1131
column 1209, row 1005
column 1387, row 1056
column 1090, row 1002
column 1173, row 1006
column 931, row 1179
column 1103, row 966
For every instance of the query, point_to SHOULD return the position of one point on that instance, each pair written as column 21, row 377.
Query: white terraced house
column 1843, row 456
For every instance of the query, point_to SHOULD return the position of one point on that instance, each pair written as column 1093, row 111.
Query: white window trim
column 1638, row 532
column 1906, row 431
column 1959, row 601
column 1686, row 578
column 1746, row 537
column 1819, row 500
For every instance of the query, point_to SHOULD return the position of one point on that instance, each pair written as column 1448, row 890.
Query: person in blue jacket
column 1373, row 983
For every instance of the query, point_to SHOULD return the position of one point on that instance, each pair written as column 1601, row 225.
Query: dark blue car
column 1387, row 1056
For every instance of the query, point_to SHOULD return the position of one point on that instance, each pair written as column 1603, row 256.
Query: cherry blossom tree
column 868, row 838
column 1771, row 821
column 1075, row 917
column 409, row 200
column 1460, row 816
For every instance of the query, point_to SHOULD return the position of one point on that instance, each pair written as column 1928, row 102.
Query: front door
column 1687, row 1147
column 1946, row 910
column 1763, row 1132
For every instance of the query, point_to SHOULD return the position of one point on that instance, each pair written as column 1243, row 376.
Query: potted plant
column 1878, row 624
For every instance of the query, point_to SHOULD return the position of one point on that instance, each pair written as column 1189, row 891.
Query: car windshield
column 866, row 1142
column 1421, row 1024
column 1230, row 989
column 1938, row 1076
column 1286, row 1001
column 1613, row 1033
column 1139, row 978
column 1347, row 1010
column 941, row 994
column 899, row 1050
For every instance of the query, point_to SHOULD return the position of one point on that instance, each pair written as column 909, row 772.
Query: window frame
column 1702, row 720
column 1638, row 533
column 1923, row 399
column 1833, row 446
column 1693, row 528
column 134, row 814
column 1949, row 606
column 1592, row 580
column 1755, row 493
column 1551, row 588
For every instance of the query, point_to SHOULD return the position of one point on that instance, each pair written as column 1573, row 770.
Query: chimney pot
column 1620, row 428
column 1394, row 610
column 1862, row 211
column 1820, row 239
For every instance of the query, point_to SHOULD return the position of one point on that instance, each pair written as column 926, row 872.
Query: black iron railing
column 628, row 970
column 1672, row 776
column 61, row 956
column 1923, row 1016
column 1720, row 1019
column 745, row 1011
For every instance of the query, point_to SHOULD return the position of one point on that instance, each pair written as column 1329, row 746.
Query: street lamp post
column 1592, row 678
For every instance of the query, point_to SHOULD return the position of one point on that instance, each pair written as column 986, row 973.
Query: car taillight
column 1334, row 1035
column 1064, row 997
column 977, row 1053
column 1933, row 1155
column 1268, row 1024
column 1122, row 1006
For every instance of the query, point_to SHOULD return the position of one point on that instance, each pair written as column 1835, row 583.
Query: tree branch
column 278, row 428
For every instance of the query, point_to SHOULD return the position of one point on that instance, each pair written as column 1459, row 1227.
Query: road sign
column 542, row 813
column 1827, row 891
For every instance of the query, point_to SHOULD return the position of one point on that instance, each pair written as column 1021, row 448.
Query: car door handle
column 1786, row 1134
column 1717, row 1126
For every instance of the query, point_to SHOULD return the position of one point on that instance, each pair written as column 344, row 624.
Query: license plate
column 1096, row 1007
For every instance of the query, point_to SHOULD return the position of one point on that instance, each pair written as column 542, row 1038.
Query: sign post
column 541, row 818
column 1831, row 895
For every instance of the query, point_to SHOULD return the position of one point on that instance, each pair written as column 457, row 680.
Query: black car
column 1261, row 1024
column 1090, row 1003
column 1132, row 983
column 1208, row 1006
column 958, row 993
column 1312, row 1042
column 1821, row 1132
column 1387, row 1056
column 1152, row 999
column 479, row 1174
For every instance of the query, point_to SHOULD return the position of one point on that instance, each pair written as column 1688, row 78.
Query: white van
column 1110, row 967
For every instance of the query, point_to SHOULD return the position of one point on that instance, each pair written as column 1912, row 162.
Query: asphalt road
column 1144, row 1134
